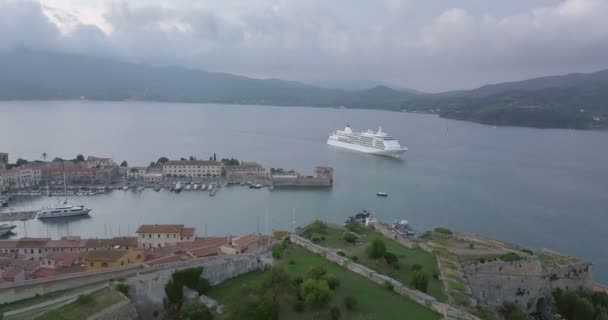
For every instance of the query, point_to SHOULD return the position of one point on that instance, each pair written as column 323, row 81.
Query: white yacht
column 369, row 142
column 63, row 210
column 5, row 228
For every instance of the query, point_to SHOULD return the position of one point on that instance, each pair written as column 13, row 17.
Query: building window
column 167, row 235
column 174, row 235
column 158, row 235
column 149, row 235
column 104, row 264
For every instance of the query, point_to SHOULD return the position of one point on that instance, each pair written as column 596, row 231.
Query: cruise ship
column 369, row 142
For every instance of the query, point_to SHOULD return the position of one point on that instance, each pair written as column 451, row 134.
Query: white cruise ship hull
column 355, row 147
column 69, row 213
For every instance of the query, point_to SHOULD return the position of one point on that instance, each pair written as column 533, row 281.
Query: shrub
column 277, row 251
column 389, row 286
column 443, row 230
column 122, row 287
column 354, row 258
column 298, row 306
column 528, row 251
column 335, row 313
column 319, row 226
column 420, row 281
column 316, row 272
column 84, row 299
column 195, row 310
column 377, row 249
column 390, row 258
column 354, row 227
column 316, row 293
column 291, row 262
column 340, row 253
column 332, row 282
column 350, row 303
column 510, row 257
column 350, row 237
column 416, row 267
column 315, row 239
column 297, row 281
column 511, row 311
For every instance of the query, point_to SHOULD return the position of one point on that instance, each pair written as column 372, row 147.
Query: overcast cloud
column 428, row 45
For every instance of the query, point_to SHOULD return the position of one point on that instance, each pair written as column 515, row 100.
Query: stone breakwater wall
column 525, row 282
column 147, row 290
column 418, row 296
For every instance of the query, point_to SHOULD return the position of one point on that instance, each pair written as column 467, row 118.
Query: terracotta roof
column 66, row 258
column 11, row 273
column 204, row 252
column 192, row 163
column 246, row 240
column 202, row 242
column 8, row 244
column 32, row 242
column 160, row 228
column 106, row 255
column 167, row 259
column 187, row 232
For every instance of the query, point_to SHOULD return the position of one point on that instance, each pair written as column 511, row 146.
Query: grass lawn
column 333, row 238
column 84, row 307
column 374, row 301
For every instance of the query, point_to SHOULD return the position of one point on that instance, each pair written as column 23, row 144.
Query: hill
column 37, row 75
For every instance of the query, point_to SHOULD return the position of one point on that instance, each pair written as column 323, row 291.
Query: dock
column 17, row 215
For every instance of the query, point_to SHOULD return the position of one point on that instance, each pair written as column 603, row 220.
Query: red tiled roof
column 205, row 251
column 105, row 255
column 53, row 272
column 8, row 244
column 167, row 259
column 246, row 240
column 202, row 242
column 187, row 232
column 160, row 228
column 11, row 273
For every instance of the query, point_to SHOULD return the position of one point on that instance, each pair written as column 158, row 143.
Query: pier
column 17, row 215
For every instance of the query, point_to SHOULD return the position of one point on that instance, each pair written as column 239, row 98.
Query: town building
column 244, row 243
column 54, row 172
column 192, row 168
column 95, row 162
column 162, row 235
column 245, row 172
column 101, row 259
column 145, row 174
column 20, row 177
column 136, row 173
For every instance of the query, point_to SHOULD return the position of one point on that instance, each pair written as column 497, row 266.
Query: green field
column 374, row 301
column 84, row 307
column 332, row 237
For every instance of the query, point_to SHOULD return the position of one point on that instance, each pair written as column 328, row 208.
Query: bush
column 315, row 239
column 354, row 258
column 528, row 251
column 298, row 306
column 297, row 281
column 511, row 311
column 122, row 287
column 332, row 282
column 316, row 293
column 377, row 249
column 390, row 258
column 277, row 251
column 291, row 262
column 335, row 313
column 316, row 272
column 510, row 257
column 416, row 267
column 350, row 303
column 195, row 310
column 443, row 230
column 319, row 227
column 420, row 281
column 350, row 237
column 340, row 253
column 84, row 299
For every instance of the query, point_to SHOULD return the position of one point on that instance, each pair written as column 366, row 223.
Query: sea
column 542, row 188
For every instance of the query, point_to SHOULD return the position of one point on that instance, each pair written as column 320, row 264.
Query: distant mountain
column 569, row 101
column 41, row 75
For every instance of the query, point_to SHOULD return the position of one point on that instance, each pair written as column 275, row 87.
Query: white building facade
column 192, row 168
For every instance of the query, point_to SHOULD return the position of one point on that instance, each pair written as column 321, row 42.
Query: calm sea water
column 542, row 188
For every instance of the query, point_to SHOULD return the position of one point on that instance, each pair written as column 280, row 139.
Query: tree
column 332, row 281
column 335, row 313
column 79, row 158
column 195, row 310
column 316, row 272
column 124, row 164
column 390, row 258
column 350, row 237
column 377, row 249
column 214, row 157
column 191, row 158
column 210, row 158
column 44, row 156
column 152, row 164
column 175, row 295
column 277, row 251
column 246, row 305
column 316, row 293
column 57, row 159
column 275, row 283
column 162, row 160
column 21, row 162
column 420, row 281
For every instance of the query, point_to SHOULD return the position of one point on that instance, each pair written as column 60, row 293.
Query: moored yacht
column 63, row 210
column 5, row 228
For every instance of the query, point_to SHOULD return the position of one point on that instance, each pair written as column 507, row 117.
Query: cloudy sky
column 430, row 45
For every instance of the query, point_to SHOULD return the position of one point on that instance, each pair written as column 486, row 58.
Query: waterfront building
column 20, row 177
column 244, row 243
column 192, row 168
column 247, row 171
column 101, row 259
column 162, row 235
column 74, row 172
column 95, row 162
column 136, row 173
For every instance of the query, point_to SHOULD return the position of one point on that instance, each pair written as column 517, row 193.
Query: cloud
column 406, row 43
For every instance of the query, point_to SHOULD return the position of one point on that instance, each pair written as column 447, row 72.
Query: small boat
column 382, row 194
column 256, row 186
column 212, row 192
column 203, row 187
column 157, row 189
column 140, row 189
column 125, row 188
column 188, row 187
column 3, row 203
column 178, row 187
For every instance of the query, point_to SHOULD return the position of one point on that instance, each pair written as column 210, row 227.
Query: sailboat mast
column 65, row 185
